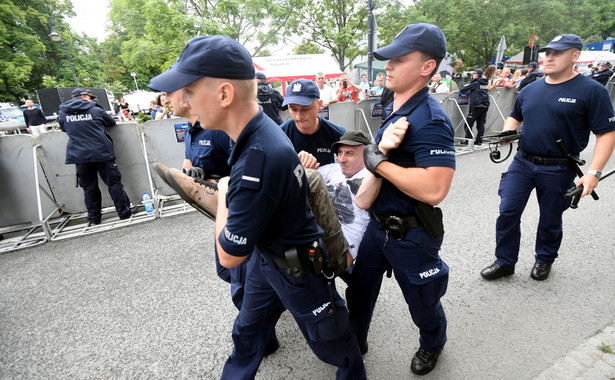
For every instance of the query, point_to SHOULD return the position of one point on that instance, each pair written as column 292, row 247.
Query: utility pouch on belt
column 297, row 262
column 305, row 258
column 431, row 219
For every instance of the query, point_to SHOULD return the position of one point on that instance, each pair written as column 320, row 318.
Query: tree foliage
column 307, row 47
column 336, row 25
column 147, row 36
column 473, row 28
column 29, row 59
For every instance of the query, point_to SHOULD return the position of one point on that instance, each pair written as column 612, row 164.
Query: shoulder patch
column 253, row 170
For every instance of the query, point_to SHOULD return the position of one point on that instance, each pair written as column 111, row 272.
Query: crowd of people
column 280, row 243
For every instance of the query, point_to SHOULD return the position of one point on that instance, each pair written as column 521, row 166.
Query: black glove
column 195, row 172
column 373, row 157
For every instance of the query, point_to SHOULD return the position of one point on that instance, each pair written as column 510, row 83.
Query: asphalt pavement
column 144, row 301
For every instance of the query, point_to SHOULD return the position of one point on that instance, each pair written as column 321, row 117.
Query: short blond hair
column 245, row 89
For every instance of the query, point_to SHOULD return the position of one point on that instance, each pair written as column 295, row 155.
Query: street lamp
column 55, row 37
column 370, row 38
column 134, row 76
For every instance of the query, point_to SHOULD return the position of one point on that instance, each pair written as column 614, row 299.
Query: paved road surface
column 144, row 301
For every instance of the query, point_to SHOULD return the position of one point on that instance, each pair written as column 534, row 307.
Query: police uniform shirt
column 531, row 78
column 268, row 194
column 208, row 149
column 319, row 143
column 271, row 101
column 602, row 76
column 85, row 122
column 479, row 92
column 566, row 111
column 429, row 141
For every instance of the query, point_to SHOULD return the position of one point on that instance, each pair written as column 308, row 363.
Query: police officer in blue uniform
column 411, row 170
column 479, row 105
column 604, row 74
column 533, row 74
column 565, row 105
column 207, row 150
column 269, row 99
column 263, row 213
column 90, row 148
column 306, row 130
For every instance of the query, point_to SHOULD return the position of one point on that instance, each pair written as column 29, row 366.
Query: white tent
column 587, row 57
column 291, row 67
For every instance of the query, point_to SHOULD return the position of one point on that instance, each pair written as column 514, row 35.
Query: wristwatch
column 596, row 173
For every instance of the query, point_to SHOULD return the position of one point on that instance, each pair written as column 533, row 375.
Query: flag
column 532, row 40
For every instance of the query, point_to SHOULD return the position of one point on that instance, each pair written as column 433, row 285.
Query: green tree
column 601, row 20
column 336, row 25
column 307, row 47
column 474, row 27
column 29, row 60
column 148, row 35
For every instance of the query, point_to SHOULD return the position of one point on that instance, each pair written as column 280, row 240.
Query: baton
column 575, row 192
column 575, row 162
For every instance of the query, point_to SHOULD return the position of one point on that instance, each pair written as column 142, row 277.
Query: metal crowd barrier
column 21, row 224
column 41, row 200
column 502, row 101
column 163, row 142
column 343, row 114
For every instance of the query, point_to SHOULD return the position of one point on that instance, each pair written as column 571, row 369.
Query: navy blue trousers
column 235, row 276
column 551, row 183
column 268, row 291
column 420, row 273
column 88, row 179
column 478, row 114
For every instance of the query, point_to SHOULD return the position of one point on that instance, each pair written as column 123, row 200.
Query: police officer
column 207, row 151
column 565, row 105
column 603, row 74
column 533, row 73
column 91, row 150
column 411, row 169
column 262, row 209
column 308, row 132
column 269, row 99
column 479, row 104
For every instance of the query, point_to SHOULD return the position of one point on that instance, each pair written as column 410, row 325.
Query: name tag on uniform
column 253, row 170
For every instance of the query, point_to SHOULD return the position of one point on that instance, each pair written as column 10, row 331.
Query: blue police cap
column 302, row 92
column 260, row 76
column 478, row 71
column 426, row 38
column 82, row 91
column 206, row 56
column 563, row 42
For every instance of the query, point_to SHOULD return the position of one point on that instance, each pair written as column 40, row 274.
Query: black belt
column 544, row 160
column 407, row 221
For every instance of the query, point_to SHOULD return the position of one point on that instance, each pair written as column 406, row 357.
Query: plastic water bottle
column 147, row 202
